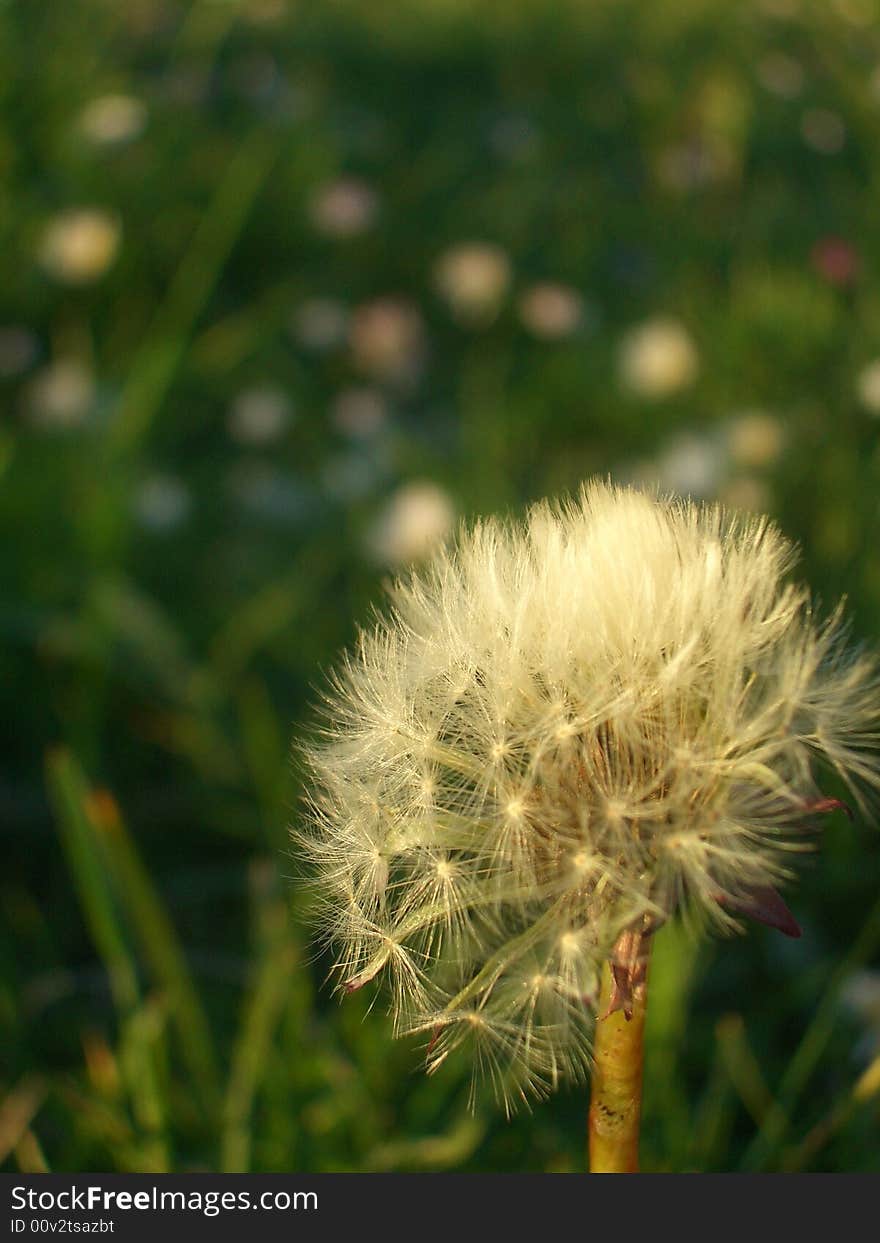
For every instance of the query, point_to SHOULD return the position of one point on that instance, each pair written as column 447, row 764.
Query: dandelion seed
column 565, row 733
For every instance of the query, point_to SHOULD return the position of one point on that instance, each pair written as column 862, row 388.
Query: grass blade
column 69, row 795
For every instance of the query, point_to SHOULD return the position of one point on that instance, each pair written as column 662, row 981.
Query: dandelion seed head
column 614, row 711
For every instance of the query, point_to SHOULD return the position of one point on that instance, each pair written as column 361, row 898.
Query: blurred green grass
column 182, row 561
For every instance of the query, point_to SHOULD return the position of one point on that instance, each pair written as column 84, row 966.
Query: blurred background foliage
column 288, row 287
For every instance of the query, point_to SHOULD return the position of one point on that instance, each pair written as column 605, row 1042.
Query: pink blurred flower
column 836, row 260
column 387, row 339
column 551, row 311
column 343, row 208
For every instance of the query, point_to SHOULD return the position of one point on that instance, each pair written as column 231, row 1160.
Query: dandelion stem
column 616, row 1091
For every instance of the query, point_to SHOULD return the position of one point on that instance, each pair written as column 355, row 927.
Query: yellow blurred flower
column 473, row 279
column 111, row 120
column 868, row 386
column 79, row 245
column 657, row 358
column 755, row 439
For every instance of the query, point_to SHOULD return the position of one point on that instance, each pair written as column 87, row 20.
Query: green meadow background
column 287, row 289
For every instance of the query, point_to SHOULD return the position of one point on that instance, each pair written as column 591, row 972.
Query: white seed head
column 611, row 711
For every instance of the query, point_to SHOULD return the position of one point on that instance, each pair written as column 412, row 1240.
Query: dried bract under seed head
column 564, row 730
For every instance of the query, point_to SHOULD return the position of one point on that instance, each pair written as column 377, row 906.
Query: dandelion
column 565, row 732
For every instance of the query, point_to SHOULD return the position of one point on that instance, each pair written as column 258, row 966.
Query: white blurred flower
column 161, row 503
column 269, row 494
column 111, row 120
column 387, row 339
column 823, row 130
column 257, row 77
column 780, row 8
column 550, row 311
column 416, row 518
column 61, row 394
column 473, row 278
column 352, row 476
column 746, row 493
column 515, row 138
column 18, row 349
column 343, row 208
column 657, row 358
column 755, row 439
column 693, row 465
column 861, row 996
column 859, row 13
column 781, row 75
column 320, row 323
column 359, row 412
column 259, row 416
column 266, row 12
column 868, row 386
column 684, row 166
column 79, row 245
